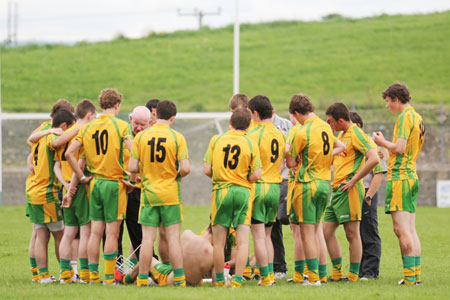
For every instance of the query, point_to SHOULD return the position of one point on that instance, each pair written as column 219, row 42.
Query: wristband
column 82, row 178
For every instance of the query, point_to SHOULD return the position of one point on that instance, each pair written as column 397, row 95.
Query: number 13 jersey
column 314, row 142
column 159, row 149
column 233, row 156
column 103, row 142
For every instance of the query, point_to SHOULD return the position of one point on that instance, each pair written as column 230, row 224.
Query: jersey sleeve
column 50, row 138
column 298, row 143
column 80, row 134
column 361, row 141
column 182, row 148
column 135, row 149
column 208, row 155
column 404, row 126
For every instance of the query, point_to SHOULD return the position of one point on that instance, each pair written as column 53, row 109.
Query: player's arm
column 64, row 138
column 372, row 160
column 185, row 167
column 35, row 136
column 58, row 172
column 338, row 146
column 72, row 160
column 30, row 162
column 398, row 147
column 374, row 185
column 207, row 169
column 291, row 162
column 67, row 199
column 255, row 175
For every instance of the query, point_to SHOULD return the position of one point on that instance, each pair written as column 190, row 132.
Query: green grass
column 336, row 60
column 432, row 226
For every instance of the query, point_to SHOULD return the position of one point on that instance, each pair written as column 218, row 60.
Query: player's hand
column 380, row 154
column 378, row 138
column 130, row 186
column 67, row 200
column 72, row 191
column 57, row 131
column 85, row 179
column 347, row 185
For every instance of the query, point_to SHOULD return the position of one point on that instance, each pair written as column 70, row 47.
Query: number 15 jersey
column 159, row 149
column 314, row 142
column 233, row 156
column 103, row 142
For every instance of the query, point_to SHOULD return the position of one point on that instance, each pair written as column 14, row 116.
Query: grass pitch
column 432, row 226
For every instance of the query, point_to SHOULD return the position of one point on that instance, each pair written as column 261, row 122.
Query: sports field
column 432, row 226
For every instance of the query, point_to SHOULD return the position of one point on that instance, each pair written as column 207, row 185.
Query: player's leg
column 40, row 250
column 34, row 269
column 163, row 246
column 93, row 250
column 219, row 237
column 310, row 246
column 417, row 247
column 334, row 248
column 354, row 239
column 299, row 253
column 259, row 246
column 65, row 250
column 111, row 249
column 402, row 228
column 175, row 254
column 270, row 251
column 146, row 254
column 74, row 257
column 322, row 253
column 242, row 241
column 85, row 231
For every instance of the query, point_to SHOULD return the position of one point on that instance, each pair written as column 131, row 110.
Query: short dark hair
column 240, row 119
column 152, row 103
column 239, row 101
column 62, row 115
column 166, row 109
column 356, row 118
column 84, row 107
column 261, row 104
column 300, row 103
column 61, row 103
column 397, row 90
column 338, row 111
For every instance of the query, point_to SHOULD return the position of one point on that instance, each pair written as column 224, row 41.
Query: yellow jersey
column 60, row 156
column 159, row 149
column 233, row 156
column 314, row 142
column 43, row 186
column 103, row 142
column 347, row 163
column 409, row 126
column 272, row 144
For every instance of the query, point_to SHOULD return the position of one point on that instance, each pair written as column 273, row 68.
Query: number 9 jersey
column 103, row 142
column 233, row 156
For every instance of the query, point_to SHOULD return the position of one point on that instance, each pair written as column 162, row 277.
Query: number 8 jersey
column 159, row 149
column 103, row 142
column 232, row 156
column 314, row 142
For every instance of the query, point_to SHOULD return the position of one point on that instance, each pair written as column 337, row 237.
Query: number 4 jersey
column 314, row 142
column 233, row 156
column 103, row 142
column 159, row 149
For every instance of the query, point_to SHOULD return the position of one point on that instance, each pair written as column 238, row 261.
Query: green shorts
column 265, row 206
column 78, row 212
column 309, row 201
column 156, row 215
column 45, row 213
column 345, row 207
column 108, row 200
column 229, row 206
column 401, row 195
column 161, row 273
column 27, row 209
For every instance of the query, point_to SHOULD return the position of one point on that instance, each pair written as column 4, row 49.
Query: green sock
column 256, row 265
column 238, row 278
column 64, row 264
column 93, row 267
column 143, row 276
column 220, row 277
column 313, row 265
column 248, row 262
column 418, row 268
column 336, row 261
column 43, row 270
column 167, row 263
column 409, row 270
column 178, row 276
column 34, row 263
column 299, row 266
column 128, row 279
column 270, row 268
column 322, row 271
column 264, row 271
column 354, row 267
column 84, row 263
column 134, row 261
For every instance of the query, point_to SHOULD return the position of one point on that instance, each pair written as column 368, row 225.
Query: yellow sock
column 352, row 276
column 337, row 272
column 298, row 277
column 94, row 277
column 110, row 266
column 84, row 275
column 142, row 282
column 235, row 284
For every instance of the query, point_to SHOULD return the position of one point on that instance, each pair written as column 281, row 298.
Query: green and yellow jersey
column 60, row 156
column 272, row 143
column 314, row 142
column 103, row 142
column 289, row 141
column 347, row 163
column 159, row 150
column 43, row 186
column 409, row 126
column 233, row 156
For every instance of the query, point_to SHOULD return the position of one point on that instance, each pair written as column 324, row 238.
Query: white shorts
column 54, row 226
